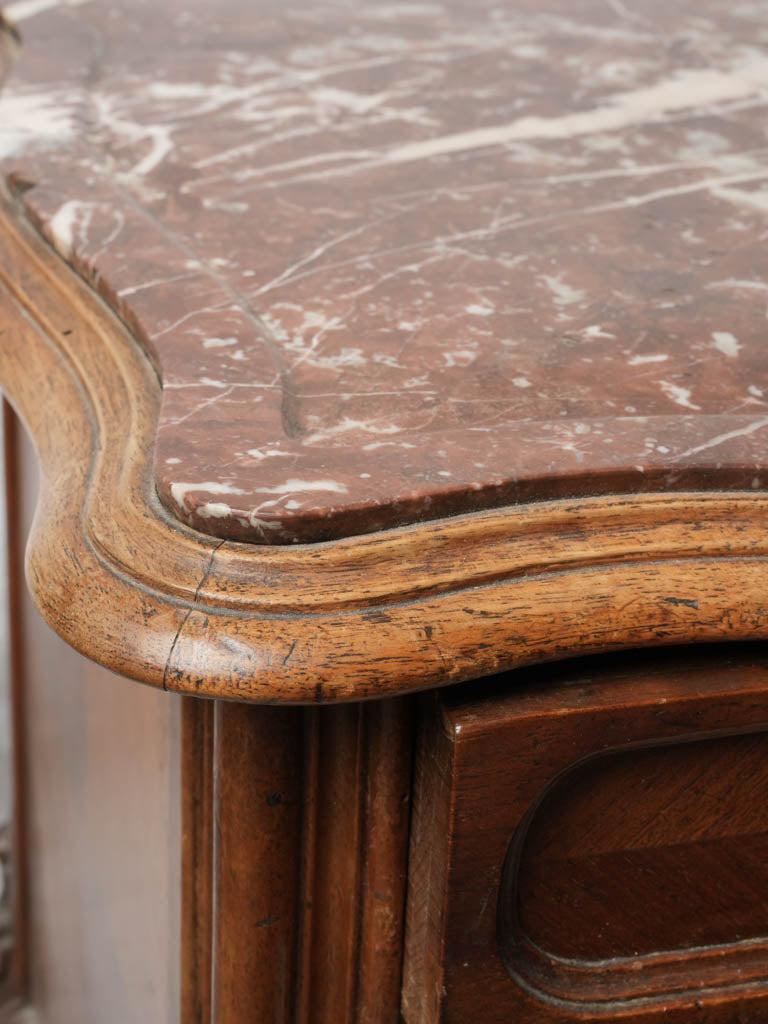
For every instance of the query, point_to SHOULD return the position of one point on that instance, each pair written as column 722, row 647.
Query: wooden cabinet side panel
column 101, row 772
column 101, row 763
column 17, row 984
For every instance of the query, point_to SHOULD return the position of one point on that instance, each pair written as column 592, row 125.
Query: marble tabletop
column 400, row 260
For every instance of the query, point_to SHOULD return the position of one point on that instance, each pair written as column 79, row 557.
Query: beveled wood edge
column 398, row 611
column 644, row 981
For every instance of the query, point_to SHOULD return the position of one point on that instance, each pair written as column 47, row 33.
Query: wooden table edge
column 403, row 610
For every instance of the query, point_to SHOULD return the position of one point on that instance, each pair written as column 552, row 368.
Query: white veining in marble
column 396, row 260
column 22, row 9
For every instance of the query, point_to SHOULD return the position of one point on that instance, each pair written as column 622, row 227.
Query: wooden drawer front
column 590, row 843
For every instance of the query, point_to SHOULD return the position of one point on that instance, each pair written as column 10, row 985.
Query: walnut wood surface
column 290, row 860
column 682, row 829
column 256, row 862
column 511, row 803
column 299, row 916
column 357, row 811
column 398, row 611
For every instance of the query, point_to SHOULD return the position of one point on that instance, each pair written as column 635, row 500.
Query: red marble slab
column 397, row 260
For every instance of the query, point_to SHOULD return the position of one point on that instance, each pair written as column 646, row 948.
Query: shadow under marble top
column 398, row 260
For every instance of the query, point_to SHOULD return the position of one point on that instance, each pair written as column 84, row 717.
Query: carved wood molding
column 511, row 805
column 397, row 611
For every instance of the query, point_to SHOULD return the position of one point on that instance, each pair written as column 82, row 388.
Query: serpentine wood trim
column 398, row 611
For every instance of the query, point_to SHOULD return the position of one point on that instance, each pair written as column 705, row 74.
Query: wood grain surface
column 588, row 845
column 288, row 861
column 398, row 611
column 294, row 862
column 681, row 829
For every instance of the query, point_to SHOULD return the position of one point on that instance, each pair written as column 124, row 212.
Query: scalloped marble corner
column 362, row 362
column 388, row 613
column 400, row 262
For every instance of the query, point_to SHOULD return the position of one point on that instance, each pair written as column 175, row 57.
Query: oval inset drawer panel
column 590, row 843
column 680, row 831
column 638, row 863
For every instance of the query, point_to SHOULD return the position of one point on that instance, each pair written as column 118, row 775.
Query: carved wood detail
column 485, row 941
column 398, row 611
column 294, row 862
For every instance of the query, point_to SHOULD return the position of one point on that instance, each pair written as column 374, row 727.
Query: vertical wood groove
column 310, row 817
column 388, row 781
column 197, row 860
column 311, row 770
column 359, row 806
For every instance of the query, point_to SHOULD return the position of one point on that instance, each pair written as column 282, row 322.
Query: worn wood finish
column 397, row 611
column 500, row 920
column 335, row 783
column 334, row 828
column 290, row 862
